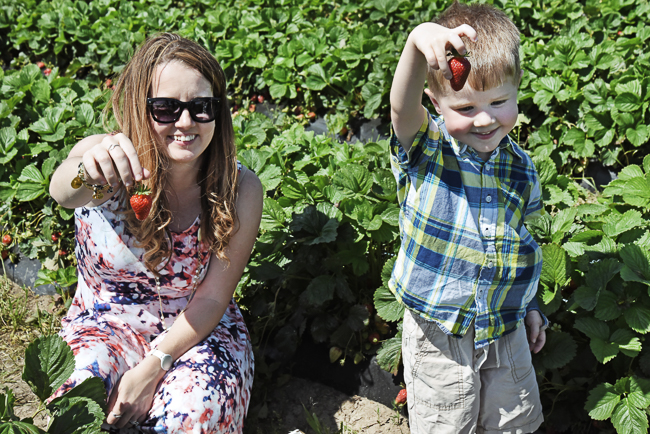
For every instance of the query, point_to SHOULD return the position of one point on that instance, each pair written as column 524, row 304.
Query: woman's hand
column 132, row 396
column 112, row 160
column 535, row 330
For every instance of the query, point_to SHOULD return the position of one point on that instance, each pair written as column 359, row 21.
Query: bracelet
column 80, row 179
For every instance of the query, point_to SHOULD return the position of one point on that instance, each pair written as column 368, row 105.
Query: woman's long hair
column 217, row 175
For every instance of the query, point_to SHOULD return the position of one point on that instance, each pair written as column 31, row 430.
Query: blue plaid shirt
column 465, row 253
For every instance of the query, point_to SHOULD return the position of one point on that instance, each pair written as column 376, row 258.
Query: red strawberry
column 260, row 99
column 40, row 65
column 141, row 202
column 460, row 68
column 55, row 236
column 251, row 108
column 47, row 71
column 62, row 253
column 401, row 397
column 5, row 254
column 311, row 116
column 109, row 82
column 6, row 239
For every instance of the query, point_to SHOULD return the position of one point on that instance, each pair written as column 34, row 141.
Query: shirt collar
column 463, row 150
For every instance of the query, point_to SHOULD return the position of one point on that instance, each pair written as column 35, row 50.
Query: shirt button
column 488, row 199
column 490, row 264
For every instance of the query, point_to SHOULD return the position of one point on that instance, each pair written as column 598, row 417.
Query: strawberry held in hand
column 460, row 68
column 141, row 202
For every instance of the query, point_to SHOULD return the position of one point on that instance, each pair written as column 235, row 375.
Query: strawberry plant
column 48, row 364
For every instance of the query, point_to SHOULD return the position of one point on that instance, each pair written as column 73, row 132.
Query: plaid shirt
column 465, row 254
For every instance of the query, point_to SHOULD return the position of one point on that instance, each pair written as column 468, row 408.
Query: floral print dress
column 114, row 322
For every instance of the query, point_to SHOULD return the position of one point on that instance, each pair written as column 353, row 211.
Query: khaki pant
column 454, row 388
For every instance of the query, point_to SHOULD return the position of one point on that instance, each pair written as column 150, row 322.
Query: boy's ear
column 433, row 99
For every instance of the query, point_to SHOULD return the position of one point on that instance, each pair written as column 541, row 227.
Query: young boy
column 467, row 269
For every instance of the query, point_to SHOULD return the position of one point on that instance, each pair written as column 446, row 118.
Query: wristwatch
column 165, row 359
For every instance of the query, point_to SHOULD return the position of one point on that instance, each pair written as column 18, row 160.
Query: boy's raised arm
column 427, row 44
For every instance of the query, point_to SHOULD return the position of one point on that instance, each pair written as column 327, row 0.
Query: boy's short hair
column 495, row 55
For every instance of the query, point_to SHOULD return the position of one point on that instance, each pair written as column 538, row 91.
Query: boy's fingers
column 541, row 340
column 467, row 30
column 458, row 44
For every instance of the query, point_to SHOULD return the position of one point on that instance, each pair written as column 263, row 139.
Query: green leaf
column 627, row 102
column 562, row 222
column 387, row 270
column 77, row 415
column 7, row 139
column 627, row 342
column 593, row 328
column 638, row 135
column 387, row 305
column 627, row 418
column 607, row 308
column 31, row 173
column 604, row 351
column 41, row 90
column 85, row 114
column 555, row 266
column 319, row 290
column 90, row 388
column 617, row 224
column 560, row 349
column 639, row 392
column 7, row 401
column 638, row 318
column 601, row 401
column 16, row 427
column 353, row 177
column 357, row 317
column 389, row 355
column 293, row 189
column 637, row 259
column 327, row 234
column 273, row 215
column 49, row 362
column 29, row 191
column 316, row 79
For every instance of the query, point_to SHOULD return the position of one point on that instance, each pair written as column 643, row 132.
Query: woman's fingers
column 112, row 161
column 128, row 159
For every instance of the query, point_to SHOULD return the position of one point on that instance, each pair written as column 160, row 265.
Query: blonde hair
column 494, row 56
column 217, row 176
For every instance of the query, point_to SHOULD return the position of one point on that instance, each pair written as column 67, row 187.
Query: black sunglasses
column 169, row 110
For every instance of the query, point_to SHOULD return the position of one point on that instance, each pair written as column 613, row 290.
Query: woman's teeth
column 184, row 138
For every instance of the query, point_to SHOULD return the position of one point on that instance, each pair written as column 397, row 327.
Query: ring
column 116, row 415
column 113, row 145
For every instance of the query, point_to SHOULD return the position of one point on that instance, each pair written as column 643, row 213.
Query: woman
column 153, row 315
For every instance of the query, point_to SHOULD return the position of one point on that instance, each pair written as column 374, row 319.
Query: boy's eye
column 500, row 102
column 467, row 109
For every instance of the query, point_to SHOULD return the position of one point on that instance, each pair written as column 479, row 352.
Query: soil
column 335, row 411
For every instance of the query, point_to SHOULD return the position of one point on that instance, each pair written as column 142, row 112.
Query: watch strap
column 165, row 359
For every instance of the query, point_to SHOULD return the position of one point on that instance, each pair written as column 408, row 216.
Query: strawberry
column 401, row 397
column 55, row 236
column 374, row 338
column 47, row 71
column 335, row 353
column 40, row 65
column 6, row 239
column 109, row 82
column 141, row 202
column 5, row 254
column 460, row 68
column 251, row 108
column 63, row 253
column 311, row 116
column 260, row 99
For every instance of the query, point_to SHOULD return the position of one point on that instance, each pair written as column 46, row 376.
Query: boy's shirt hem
column 465, row 256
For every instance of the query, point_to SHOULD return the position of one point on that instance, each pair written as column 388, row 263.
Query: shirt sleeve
column 534, row 305
column 424, row 146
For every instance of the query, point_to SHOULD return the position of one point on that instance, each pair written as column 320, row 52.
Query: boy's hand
column 427, row 44
column 535, row 331
column 433, row 40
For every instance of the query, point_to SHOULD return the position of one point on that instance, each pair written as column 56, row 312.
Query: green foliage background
column 329, row 231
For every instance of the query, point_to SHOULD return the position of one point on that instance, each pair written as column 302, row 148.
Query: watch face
column 166, row 362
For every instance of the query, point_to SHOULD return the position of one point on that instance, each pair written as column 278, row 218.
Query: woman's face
column 185, row 139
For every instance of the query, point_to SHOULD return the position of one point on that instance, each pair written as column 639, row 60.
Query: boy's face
column 479, row 119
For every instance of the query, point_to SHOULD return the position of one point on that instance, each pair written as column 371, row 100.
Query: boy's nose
column 484, row 119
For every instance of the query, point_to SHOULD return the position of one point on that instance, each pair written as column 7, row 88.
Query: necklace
column 195, row 281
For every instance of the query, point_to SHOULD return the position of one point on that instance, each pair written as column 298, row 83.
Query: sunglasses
column 169, row 110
